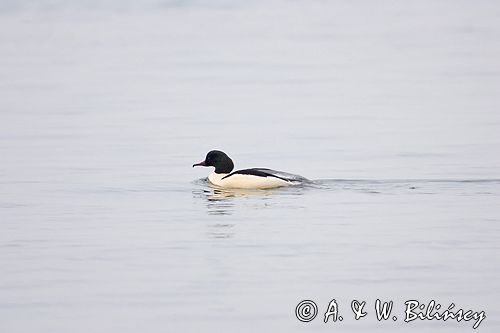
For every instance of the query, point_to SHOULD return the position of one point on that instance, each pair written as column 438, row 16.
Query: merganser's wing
column 264, row 172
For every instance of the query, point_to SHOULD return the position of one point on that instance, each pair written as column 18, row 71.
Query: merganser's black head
column 219, row 160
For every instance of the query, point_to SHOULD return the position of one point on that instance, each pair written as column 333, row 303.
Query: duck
column 255, row 178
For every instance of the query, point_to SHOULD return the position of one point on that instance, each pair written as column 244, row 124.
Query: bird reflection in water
column 221, row 201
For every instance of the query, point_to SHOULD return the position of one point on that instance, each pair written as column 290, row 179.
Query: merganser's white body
column 246, row 181
column 256, row 178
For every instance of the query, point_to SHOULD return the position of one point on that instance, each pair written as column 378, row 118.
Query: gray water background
column 391, row 107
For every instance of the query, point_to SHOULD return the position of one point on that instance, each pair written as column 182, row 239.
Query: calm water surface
column 391, row 108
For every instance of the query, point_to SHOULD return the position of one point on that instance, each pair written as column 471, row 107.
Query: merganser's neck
column 215, row 178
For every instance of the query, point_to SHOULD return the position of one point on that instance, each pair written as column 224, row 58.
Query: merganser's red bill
column 200, row 164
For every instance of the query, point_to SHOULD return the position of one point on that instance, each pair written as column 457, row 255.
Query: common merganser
column 256, row 178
